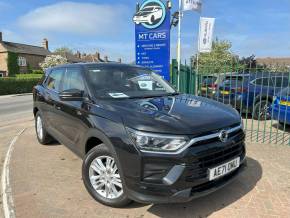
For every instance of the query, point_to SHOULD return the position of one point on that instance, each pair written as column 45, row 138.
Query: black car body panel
column 145, row 175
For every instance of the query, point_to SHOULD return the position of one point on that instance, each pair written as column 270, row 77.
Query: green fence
column 261, row 96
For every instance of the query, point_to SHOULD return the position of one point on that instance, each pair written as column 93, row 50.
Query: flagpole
column 179, row 45
column 197, row 60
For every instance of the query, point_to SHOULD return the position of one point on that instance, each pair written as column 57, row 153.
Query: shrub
column 52, row 60
column 29, row 75
column 12, row 85
column 37, row 72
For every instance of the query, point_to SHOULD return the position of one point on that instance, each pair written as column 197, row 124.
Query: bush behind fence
column 17, row 85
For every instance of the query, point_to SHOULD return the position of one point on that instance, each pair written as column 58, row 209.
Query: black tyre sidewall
column 46, row 139
column 101, row 150
column 152, row 19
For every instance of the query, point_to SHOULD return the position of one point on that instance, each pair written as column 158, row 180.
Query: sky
column 259, row 27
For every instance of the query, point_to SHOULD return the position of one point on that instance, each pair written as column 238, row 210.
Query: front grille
column 221, row 156
column 213, row 157
column 216, row 139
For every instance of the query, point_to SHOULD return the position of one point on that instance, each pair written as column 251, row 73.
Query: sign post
column 152, row 37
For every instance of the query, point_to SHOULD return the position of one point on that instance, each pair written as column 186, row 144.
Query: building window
column 22, row 61
column 1, row 75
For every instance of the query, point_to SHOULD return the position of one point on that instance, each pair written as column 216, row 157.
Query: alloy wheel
column 105, row 178
column 39, row 127
column 264, row 113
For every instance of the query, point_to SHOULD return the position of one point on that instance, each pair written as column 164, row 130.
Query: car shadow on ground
column 205, row 206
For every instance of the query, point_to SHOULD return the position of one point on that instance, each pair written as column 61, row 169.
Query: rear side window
column 73, row 80
column 280, row 81
column 233, row 80
column 209, row 80
column 263, row 82
column 53, row 81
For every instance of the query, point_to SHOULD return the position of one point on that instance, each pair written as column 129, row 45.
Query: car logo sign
column 223, row 136
column 151, row 14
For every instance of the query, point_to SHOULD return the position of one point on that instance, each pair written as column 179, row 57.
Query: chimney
column 1, row 37
column 78, row 54
column 45, row 44
column 98, row 56
column 106, row 59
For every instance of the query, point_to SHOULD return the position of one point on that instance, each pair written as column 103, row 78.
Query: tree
column 219, row 60
column 52, row 60
column 63, row 50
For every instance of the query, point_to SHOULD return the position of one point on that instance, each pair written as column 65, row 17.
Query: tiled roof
column 25, row 49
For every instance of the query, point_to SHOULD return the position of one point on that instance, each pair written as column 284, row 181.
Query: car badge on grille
column 223, row 136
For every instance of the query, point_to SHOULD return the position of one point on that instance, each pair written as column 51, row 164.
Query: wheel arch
column 94, row 138
column 35, row 110
column 262, row 98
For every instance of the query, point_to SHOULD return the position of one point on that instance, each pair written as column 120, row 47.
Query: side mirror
column 71, row 95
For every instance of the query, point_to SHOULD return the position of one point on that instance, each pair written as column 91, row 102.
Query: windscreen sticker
column 118, row 95
column 146, row 85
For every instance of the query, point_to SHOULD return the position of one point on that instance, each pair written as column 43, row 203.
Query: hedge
column 29, row 76
column 12, row 85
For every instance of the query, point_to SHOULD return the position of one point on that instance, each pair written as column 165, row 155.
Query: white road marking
column 7, row 199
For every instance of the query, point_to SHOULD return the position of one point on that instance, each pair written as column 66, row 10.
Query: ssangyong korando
column 139, row 139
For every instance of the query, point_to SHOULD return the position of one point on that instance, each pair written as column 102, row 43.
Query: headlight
column 157, row 143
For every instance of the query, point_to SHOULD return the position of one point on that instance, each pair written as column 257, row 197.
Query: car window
column 126, row 82
column 209, row 80
column 280, row 81
column 73, row 80
column 53, row 81
column 263, row 82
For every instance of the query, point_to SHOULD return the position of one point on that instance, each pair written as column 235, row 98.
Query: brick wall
column 32, row 61
column 3, row 62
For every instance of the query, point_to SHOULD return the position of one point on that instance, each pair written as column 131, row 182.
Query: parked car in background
column 252, row 93
column 139, row 139
column 281, row 107
column 210, row 83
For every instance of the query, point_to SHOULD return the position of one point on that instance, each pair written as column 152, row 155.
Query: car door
column 51, row 96
column 73, row 124
column 280, row 82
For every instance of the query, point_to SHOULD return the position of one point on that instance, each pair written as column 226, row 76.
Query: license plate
column 224, row 169
column 225, row 92
column 285, row 103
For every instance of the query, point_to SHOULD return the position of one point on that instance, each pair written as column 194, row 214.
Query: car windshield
column 127, row 82
column 209, row 80
column 147, row 9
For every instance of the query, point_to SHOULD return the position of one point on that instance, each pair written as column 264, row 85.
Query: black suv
column 139, row 139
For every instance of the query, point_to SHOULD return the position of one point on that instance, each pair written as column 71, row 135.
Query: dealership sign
column 152, row 36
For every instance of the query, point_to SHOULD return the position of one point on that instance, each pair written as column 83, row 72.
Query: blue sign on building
column 152, row 35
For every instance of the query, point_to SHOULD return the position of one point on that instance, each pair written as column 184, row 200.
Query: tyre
column 42, row 136
column 261, row 110
column 152, row 19
column 102, row 179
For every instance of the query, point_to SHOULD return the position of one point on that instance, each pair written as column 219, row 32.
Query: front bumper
column 161, row 178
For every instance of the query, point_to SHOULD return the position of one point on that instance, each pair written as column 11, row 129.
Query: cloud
column 77, row 18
